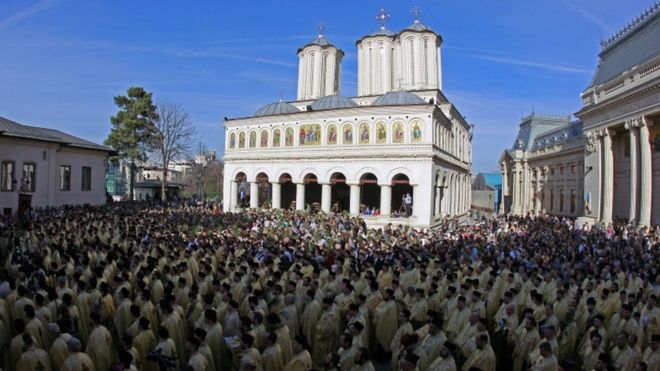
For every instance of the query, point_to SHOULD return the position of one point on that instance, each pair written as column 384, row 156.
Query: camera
column 162, row 360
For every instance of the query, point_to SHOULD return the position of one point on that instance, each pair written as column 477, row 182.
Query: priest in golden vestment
column 484, row 357
column 326, row 332
column 59, row 351
column 77, row 360
column 301, row 360
column 144, row 342
column 310, row 316
column 444, row 361
column 99, row 346
column 271, row 358
column 652, row 353
column 623, row 357
column 525, row 342
column 33, row 358
column 546, row 361
column 385, row 320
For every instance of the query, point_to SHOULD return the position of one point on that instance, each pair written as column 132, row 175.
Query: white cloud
column 29, row 12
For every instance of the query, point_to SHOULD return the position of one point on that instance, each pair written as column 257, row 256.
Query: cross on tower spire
column 382, row 18
column 416, row 12
column 320, row 27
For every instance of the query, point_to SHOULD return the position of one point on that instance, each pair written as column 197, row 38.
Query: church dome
column 418, row 27
column 276, row 108
column 332, row 102
column 397, row 98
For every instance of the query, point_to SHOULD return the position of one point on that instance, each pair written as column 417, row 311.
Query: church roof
column 419, row 27
column 276, row 108
column 332, row 102
column 320, row 40
column 10, row 128
column 534, row 126
column 397, row 98
column 635, row 44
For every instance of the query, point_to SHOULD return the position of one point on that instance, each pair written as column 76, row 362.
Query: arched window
column 411, row 62
column 425, row 61
column 232, row 140
column 312, row 65
column 324, row 69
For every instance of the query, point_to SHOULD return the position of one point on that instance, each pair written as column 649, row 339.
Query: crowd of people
column 128, row 287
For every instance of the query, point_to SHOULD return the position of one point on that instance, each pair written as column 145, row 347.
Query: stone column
column 326, row 193
column 515, row 189
column 436, row 205
column 647, row 173
column 300, row 196
column 632, row 125
column 277, row 195
column 608, row 177
column 505, row 187
column 385, row 200
column 254, row 195
column 355, row 199
column 415, row 193
column 233, row 197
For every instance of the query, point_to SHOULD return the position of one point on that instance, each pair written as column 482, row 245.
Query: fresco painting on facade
column 416, row 132
column 276, row 138
column 232, row 140
column 253, row 139
column 348, row 134
column 381, row 133
column 241, row 140
column 288, row 137
column 332, row 134
column 264, row 139
column 310, row 135
column 364, row 133
column 397, row 130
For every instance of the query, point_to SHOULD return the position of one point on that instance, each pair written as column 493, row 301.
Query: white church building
column 362, row 155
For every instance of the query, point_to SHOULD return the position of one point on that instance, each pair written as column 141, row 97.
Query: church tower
column 409, row 60
column 319, row 68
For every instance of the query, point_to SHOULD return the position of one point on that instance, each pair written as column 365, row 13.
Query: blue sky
column 62, row 61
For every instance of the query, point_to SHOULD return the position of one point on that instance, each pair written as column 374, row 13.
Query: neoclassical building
column 611, row 156
column 542, row 172
column 363, row 154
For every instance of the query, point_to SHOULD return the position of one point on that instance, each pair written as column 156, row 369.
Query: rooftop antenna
column 320, row 27
column 383, row 17
column 281, row 96
column 416, row 12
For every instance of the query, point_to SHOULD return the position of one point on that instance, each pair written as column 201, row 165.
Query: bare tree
column 175, row 132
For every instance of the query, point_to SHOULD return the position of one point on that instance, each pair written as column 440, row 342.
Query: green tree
column 133, row 128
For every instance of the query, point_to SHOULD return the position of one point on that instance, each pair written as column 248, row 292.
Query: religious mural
column 253, row 139
column 310, row 135
column 288, row 137
column 332, row 134
column 276, row 137
column 416, row 132
column 381, row 133
column 397, row 132
column 348, row 134
column 364, row 133
column 232, row 140
column 241, row 140
column 264, row 139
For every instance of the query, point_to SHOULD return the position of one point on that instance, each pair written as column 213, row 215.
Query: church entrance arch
column 243, row 190
column 341, row 193
column 265, row 191
column 287, row 191
column 312, row 191
column 369, row 193
column 401, row 189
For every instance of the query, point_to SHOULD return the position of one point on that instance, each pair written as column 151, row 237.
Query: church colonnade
column 451, row 195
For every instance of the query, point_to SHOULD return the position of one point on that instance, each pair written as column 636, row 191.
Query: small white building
column 42, row 167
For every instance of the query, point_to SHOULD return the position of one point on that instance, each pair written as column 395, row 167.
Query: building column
column 505, row 187
column 254, row 195
column 233, row 197
column 277, row 195
column 647, row 173
column 515, row 189
column 385, row 200
column 355, row 199
column 436, row 206
column 632, row 125
column 415, row 193
column 326, row 193
column 608, row 177
column 300, row 196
